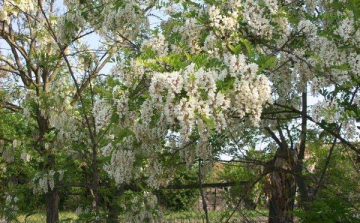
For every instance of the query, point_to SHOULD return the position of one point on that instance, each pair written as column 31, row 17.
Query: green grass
column 215, row 216
column 41, row 217
column 183, row 216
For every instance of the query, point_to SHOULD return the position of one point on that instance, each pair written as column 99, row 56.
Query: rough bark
column 281, row 190
column 282, row 197
column 52, row 206
column 52, row 198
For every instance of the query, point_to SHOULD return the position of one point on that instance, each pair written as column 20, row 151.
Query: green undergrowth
column 169, row 216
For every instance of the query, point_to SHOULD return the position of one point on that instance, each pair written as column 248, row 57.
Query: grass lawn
column 173, row 217
column 41, row 217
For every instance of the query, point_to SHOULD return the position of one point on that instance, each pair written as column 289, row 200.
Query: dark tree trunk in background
column 113, row 216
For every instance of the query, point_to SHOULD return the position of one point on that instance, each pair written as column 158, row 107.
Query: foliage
column 337, row 200
column 99, row 105
column 180, row 200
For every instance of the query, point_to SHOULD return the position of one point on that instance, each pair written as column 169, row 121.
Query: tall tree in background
column 46, row 67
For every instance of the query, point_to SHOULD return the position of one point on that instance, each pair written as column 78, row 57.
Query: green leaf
column 265, row 62
column 248, row 46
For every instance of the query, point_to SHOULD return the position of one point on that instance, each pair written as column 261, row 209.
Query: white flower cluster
column 144, row 209
column 254, row 16
column 330, row 56
column 65, row 123
column 102, row 113
column 4, row 15
column 206, row 167
column 354, row 62
column 317, row 83
column 14, row 7
column 346, row 28
column 8, row 155
column 237, row 64
column 252, row 91
column 356, row 39
column 44, row 182
column 157, row 44
column 311, row 5
column 210, row 45
column 332, row 113
column 327, row 110
column 122, row 106
column 190, row 33
column 349, row 129
column 204, row 107
column 9, row 151
column 25, row 156
column 191, row 100
column 121, row 166
column 203, row 149
column 124, row 21
column 188, row 111
column 82, row 210
column 155, row 175
column 307, row 27
column 189, row 156
column 10, row 208
column 251, row 94
column 272, row 6
column 223, row 22
column 106, row 150
column 148, row 135
column 68, row 26
column 328, row 51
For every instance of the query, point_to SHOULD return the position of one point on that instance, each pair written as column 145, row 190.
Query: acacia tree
column 324, row 60
column 47, row 68
column 210, row 69
column 182, row 92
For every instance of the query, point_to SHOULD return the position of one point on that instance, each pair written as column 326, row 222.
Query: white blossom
column 102, row 113
column 121, row 166
column 346, row 28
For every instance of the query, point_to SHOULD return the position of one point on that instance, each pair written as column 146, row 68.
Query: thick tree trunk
column 282, row 191
column 282, row 199
column 52, row 206
column 52, row 197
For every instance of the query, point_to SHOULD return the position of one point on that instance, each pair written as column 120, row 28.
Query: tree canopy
column 115, row 100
